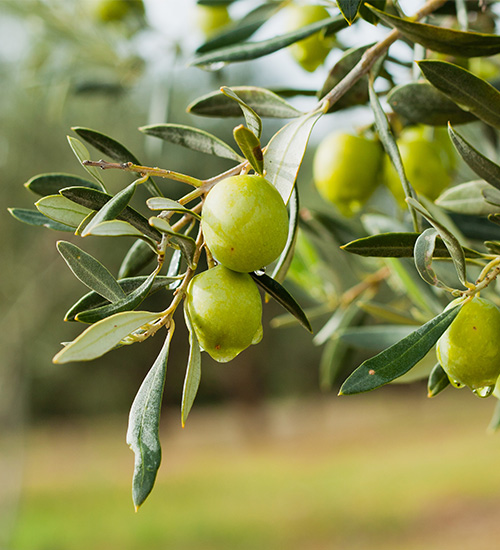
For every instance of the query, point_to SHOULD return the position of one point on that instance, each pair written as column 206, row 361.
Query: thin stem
column 369, row 59
column 146, row 170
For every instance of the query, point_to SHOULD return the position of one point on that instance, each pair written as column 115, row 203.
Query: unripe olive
column 245, row 222
column 346, row 170
column 117, row 10
column 211, row 19
column 311, row 51
column 469, row 350
column 428, row 158
column 225, row 309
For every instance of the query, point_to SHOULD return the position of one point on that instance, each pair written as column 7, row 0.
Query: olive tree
column 380, row 262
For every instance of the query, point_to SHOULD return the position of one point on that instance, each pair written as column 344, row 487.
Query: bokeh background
column 266, row 460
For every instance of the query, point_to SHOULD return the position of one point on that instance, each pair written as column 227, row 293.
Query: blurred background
column 266, row 460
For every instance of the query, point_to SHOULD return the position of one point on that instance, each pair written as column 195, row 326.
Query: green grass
column 379, row 471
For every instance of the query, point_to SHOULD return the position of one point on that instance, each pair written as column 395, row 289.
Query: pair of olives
column 347, row 169
column 245, row 226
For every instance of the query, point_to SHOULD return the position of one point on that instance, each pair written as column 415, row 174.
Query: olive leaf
column 193, row 371
column 143, row 427
column 397, row 245
column 92, row 199
column 349, row 9
column 398, row 359
column 285, row 259
column 169, row 205
column 468, row 198
column 114, row 207
column 51, row 184
column 438, row 381
column 422, row 103
column 33, row 217
column 192, row 138
column 252, row 119
column 482, row 166
column 283, row 297
column 464, row 88
column 90, row 271
column 128, row 303
column 253, row 50
column 423, row 253
column 443, row 39
column 250, row 147
column 261, row 100
column 451, row 242
column 185, row 243
column 93, row 300
column 104, row 335
column 285, row 151
column 62, row 210
column 242, row 29
column 113, row 149
column 82, row 153
column 139, row 255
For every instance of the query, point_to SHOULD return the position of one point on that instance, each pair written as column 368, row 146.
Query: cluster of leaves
column 405, row 286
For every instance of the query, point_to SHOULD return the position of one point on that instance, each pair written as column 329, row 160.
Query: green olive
column 211, row 19
column 225, row 310
column 346, row 170
column 428, row 158
column 469, row 350
column 310, row 52
column 245, row 222
column 117, row 10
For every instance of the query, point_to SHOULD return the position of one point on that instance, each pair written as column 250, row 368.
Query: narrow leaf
column 34, row 217
column 424, row 250
column 192, row 138
column 93, row 300
column 103, row 336
column 396, row 245
column 286, row 257
column 193, row 371
column 114, row 207
column 139, row 255
column 283, row 297
column 422, row 103
column 264, row 102
column 438, row 381
column 143, row 427
column 349, row 9
column 464, row 88
column 399, row 358
column 129, row 303
column 119, row 228
column 252, row 119
column 442, row 39
column 284, row 153
column 185, row 243
column 113, row 149
column 62, row 210
column 389, row 142
column 467, row 198
column 482, row 166
column 169, row 205
column 250, row 147
column 90, row 271
column 82, row 153
column 451, row 242
column 253, row 50
column 95, row 200
column 242, row 29
column 51, row 184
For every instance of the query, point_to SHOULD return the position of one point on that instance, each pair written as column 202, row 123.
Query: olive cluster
column 347, row 169
column 245, row 226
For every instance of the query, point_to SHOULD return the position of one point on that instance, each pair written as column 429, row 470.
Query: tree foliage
column 380, row 280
